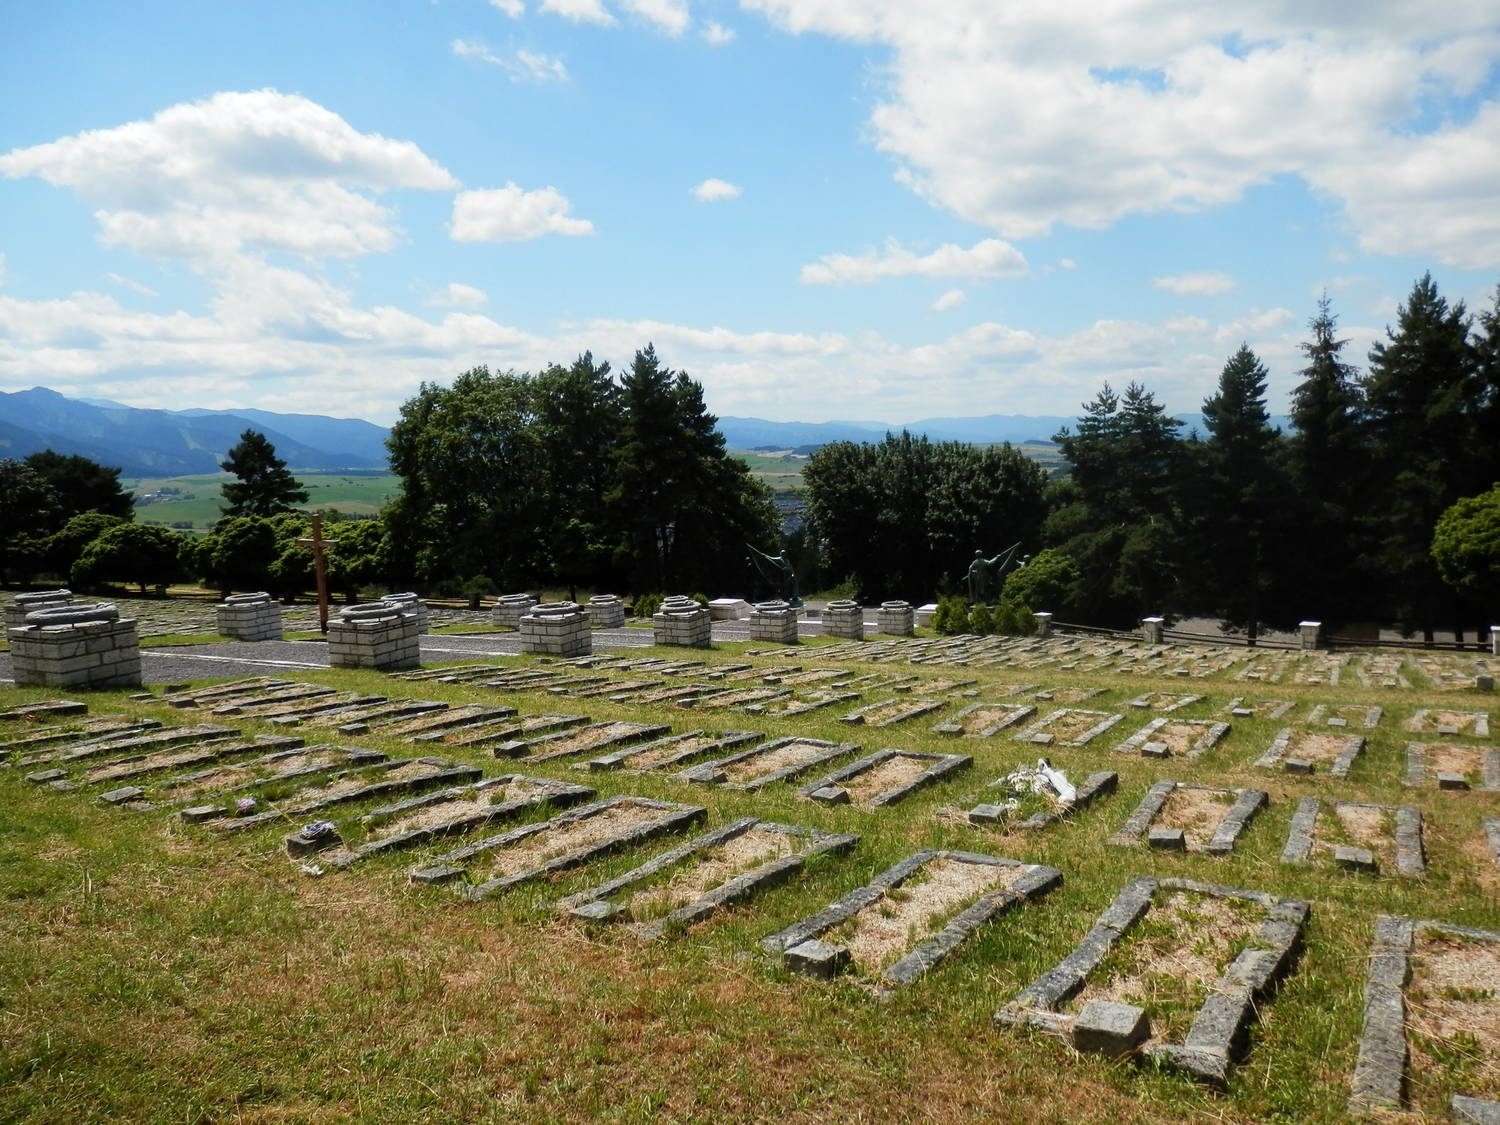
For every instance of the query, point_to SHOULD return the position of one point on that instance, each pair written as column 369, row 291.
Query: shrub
column 646, row 605
column 952, row 616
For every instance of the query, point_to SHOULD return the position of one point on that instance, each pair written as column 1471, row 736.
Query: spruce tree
column 264, row 485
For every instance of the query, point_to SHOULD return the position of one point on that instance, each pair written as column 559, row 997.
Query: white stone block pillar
column 1043, row 624
column 374, row 635
column 409, row 603
column 556, row 629
column 509, row 610
column 774, row 621
column 1151, row 629
column 1311, row 634
column 682, row 623
column 896, row 618
column 16, row 611
column 606, row 611
column 844, row 619
column 249, row 617
column 85, row 646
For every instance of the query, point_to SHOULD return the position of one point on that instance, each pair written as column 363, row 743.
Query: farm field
column 158, row 969
column 196, row 500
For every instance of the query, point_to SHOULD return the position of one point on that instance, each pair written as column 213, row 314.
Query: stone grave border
column 1210, row 1045
column 1372, row 718
column 1354, row 745
column 942, row 766
column 394, row 710
column 445, row 868
column 1481, row 723
column 155, row 738
column 445, row 719
column 620, row 759
column 55, row 708
column 561, row 794
column 535, row 749
column 712, row 772
column 1489, row 769
column 592, row 905
column 355, row 758
column 1213, row 733
column 955, row 726
column 915, row 709
column 1180, row 700
column 115, row 726
column 447, row 772
column 1279, row 708
column 1226, row 834
column 494, row 731
column 1096, row 785
column 802, row 951
column 201, row 754
column 1380, row 1072
column 1406, row 832
column 1037, row 731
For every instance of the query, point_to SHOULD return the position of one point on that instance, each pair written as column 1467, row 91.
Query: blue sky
column 821, row 209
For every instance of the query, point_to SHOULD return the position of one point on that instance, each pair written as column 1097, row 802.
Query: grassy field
column 198, row 499
column 783, row 471
column 156, row 971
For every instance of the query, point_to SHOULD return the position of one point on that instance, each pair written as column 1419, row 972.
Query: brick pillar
column 509, row 610
column 682, row 623
column 773, row 621
column 896, row 618
column 556, row 629
column 606, row 612
column 1151, row 629
column 409, row 603
column 249, row 617
column 1311, row 633
column 16, row 611
column 374, row 635
column 77, row 646
column 844, row 619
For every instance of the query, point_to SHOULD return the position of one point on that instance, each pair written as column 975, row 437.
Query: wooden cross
column 317, row 543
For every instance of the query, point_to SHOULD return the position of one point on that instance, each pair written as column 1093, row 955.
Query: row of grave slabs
column 870, row 929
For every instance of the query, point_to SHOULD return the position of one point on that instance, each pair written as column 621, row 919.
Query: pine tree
column 264, row 485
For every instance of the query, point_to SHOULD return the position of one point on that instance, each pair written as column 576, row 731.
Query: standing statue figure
column 980, row 579
column 778, row 573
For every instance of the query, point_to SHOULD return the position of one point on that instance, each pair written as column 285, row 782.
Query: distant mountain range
column 160, row 443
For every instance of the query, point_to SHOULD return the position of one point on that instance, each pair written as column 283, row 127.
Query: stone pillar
column 683, row 623
column 1311, row 633
column 556, row 629
column 896, row 618
column 844, row 619
column 1151, row 629
column 1495, row 640
column 1043, row 624
column 249, row 617
column 374, row 635
column 16, row 611
column 606, row 612
column 409, row 603
column 773, row 621
column 509, row 610
column 82, row 646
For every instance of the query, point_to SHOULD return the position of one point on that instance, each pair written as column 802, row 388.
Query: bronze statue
column 980, row 579
column 778, row 573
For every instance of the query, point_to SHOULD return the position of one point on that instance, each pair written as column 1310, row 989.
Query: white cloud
column 260, row 170
column 1206, row 284
column 716, row 34
column 950, row 300
column 131, row 284
column 989, row 258
column 456, row 295
column 1066, row 264
column 512, row 8
column 714, row 190
column 510, row 214
column 523, row 66
column 1024, row 115
column 670, row 16
column 579, row 11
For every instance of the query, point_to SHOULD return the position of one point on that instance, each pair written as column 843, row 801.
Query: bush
column 477, row 587
column 981, row 620
column 701, row 599
column 646, row 605
column 952, row 616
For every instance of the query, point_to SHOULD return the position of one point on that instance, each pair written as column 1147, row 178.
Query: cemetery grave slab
column 454, row 812
column 64, row 754
column 1301, row 751
column 382, row 780
column 44, row 710
column 798, row 703
column 1345, row 715
column 1452, row 765
column 1242, row 708
column 281, row 766
column 1164, row 737
column 811, row 676
column 1068, row 694
column 888, row 712
column 1070, row 726
column 1210, row 820
column 665, row 693
column 297, row 712
column 985, row 720
column 499, row 731
column 1391, row 833
column 1030, row 798
column 936, row 899
column 1380, row 670
column 1431, row 1038
column 567, row 840
column 750, row 672
column 105, row 726
column 717, row 868
column 1199, row 958
column 885, row 777
column 735, row 697
column 777, row 760
column 192, row 755
column 467, row 714
column 198, row 697
column 618, row 689
column 1164, row 701
column 664, row 753
column 357, row 720
column 452, row 673
column 1433, row 720
column 580, row 740
column 268, row 702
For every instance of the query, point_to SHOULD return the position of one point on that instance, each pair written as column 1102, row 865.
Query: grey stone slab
column 1300, row 835
column 1355, row 859
column 1167, row 839
column 1464, row 1110
column 939, row 766
column 1109, row 1028
column 818, row 959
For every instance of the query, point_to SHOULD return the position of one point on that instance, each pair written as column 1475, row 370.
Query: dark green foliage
column 952, row 616
column 83, row 485
column 130, row 552
column 237, row 554
column 1466, row 546
column 29, row 510
column 66, row 545
column 646, row 604
column 898, row 516
column 1044, row 581
column 359, row 556
column 264, row 486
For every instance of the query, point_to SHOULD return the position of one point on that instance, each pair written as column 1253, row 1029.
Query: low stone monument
column 16, row 611
column 728, row 609
column 1043, row 624
column 1495, row 640
column 374, row 635
column 683, row 623
column 1311, row 634
column 774, row 621
column 844, row 619
column 409, row 603
column 1151, row 629
column 249, row 617
column 556, row 629
column 896, row 618
column 76, row 646
column 606, row 611
column 509, row 610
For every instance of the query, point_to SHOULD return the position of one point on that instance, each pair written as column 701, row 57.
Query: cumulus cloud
column 989, row 258
column 512, row 8
column 1206, row 284
column 262, row 170
column 579, row 11
column 713, row 190
column 716, row 34
column 1021, row 116
column 510, row 214
column 522, row 66
column 131, row 284
column 950, row 300
column 456, row 295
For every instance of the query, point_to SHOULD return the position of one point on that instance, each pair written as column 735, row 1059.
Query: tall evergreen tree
column 264, row 485
column 83, row 485
column 1422, row 393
